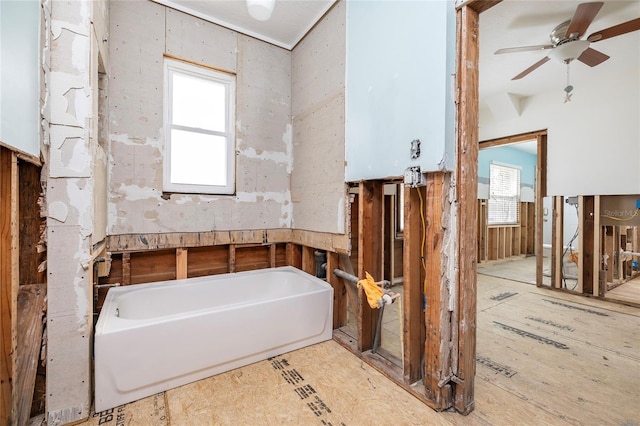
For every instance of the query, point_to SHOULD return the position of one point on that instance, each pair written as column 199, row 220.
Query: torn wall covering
column 318, row 87
column 136, row 142
column 70, row 51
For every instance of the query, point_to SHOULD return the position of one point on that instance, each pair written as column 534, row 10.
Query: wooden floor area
column 544, row 358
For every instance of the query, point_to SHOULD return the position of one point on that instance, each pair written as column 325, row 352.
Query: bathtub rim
column 101, row 327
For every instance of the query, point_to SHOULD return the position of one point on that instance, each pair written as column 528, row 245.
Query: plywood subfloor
column 544, row 358
column 627, row 292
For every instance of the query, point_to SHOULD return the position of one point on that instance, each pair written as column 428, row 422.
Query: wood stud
column 467, row 24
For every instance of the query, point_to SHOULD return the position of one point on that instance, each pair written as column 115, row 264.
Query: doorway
column 511, row 190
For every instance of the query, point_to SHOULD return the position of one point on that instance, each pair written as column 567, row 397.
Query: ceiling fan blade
column 616, row 30
column 523, row 49
column 531, row 68
column 592, row 57
column 582, row 18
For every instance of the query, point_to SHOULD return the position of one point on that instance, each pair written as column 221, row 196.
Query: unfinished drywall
column 19, row 59
column 400, row 68
column 593, row 142
column 136, row 142
column 318, row 109
column 74, row 35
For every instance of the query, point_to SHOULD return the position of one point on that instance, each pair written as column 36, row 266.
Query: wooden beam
column 149, row 241
column 339, row 291
column 31, row 307
column 467, row 24
column 437, row 350
column 414, row 275
column 370, row 235
column 9, row 281
column 181, row 263
column 477, row 5
column 522, row 137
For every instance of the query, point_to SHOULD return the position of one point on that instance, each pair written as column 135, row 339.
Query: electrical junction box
column 414, row 178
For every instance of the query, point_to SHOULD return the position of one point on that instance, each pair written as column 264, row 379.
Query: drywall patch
column 80, row 198
column 77, row 100
column 69, row 152
column 135, row 192
column 62, row 113
column 125, row 139
column 287, row 138
column 253, row 197
column 277, row 157
column 58, row 211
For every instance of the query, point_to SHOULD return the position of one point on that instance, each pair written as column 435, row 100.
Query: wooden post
column 272, row 255
column 588, row 273
column 8, row 282
column 293, row 255
column 467, row 24
column 370, row 236
column 126, row 268
column 437, row 351
column 599, row 286
column 232, row 257
column 414, row 276
column 339, row 291
column 308, row 260
column 181, row 263
column 557, row 242
column 541, row 192
column 353, row 301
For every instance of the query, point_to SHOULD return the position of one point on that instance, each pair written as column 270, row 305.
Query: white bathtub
column 157, row 336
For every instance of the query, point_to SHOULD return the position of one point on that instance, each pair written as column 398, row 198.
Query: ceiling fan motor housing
column 559, row 34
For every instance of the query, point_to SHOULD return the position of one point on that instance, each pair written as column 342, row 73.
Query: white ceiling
column 511, row 23
column 289, row 22
column 515, row 23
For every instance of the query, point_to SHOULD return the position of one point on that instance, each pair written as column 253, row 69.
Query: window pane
column 198, row 159
column 198, row 103
column 504, row 198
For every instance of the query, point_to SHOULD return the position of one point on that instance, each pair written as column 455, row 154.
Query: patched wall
column 136, row 142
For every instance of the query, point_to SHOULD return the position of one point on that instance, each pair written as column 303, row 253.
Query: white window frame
column 170, row 67
column 499, row 200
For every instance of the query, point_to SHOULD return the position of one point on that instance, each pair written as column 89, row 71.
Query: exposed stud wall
column 318, row 109
column 263, row 124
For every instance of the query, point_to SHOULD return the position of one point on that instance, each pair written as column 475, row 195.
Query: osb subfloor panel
column 544, row 358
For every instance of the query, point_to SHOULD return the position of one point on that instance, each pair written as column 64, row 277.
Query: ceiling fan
column 567, row 45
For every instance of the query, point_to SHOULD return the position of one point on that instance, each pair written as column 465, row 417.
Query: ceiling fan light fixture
column 569, row 51
column 260, row 10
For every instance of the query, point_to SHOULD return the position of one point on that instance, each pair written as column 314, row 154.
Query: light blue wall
column 19, row 74
column 400, row 62
column 508, row 156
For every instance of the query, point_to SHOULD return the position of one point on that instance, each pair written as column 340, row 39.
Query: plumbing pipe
column 376, row 339
column 346, row 276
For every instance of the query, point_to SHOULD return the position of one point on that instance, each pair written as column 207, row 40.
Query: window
column 199, row 130
column 504, row 195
